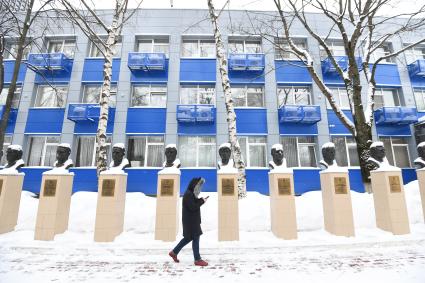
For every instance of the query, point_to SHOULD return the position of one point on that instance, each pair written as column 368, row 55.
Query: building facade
column 167, row 89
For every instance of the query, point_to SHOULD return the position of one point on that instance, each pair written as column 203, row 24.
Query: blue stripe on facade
column 393, row 130
column 292, row 129
column 9, row 65
column 197, row 128
column 197, row 70
column 387, row 75
column 251, row 121
column 146, row 120
column 335, row 125
column 93, row 70
column 246, row 77
column 292, row 73
column 45, row 120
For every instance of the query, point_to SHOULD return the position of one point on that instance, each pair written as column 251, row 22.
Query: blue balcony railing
column 417, row 68
column 12, row 114
column 193, row 113
column 306, row 114
column 342, row 61
column 399, row 115
column 146, row 61
column 87, row 112
column 246, row 62
column 50, row 61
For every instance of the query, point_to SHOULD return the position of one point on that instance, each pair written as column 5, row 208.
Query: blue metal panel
column 142, row 180
column 196, row 128
column 257, row 180
column 32, row 179
column 197, row 70
column 293, row 129
column 153, row 76
column 408, row 174
column 50, row 62
column 12, row 119
column 306, row 114
column 342, row 61
column 356, row 181
column 146, row 61
column 245, row 77
column 195, row 113
column 9, row 65
column 85, row 179
column 44, row 120
column 253, row 62
column 292, row 72
column 387, row 75
column 393, row 130
column 210, row 176
column 93, row 69
column 335, row 125
column 146, row 120
column 306, row 180
column 399, row 115
column 251, row 121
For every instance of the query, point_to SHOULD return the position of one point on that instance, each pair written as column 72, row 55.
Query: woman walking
column 191, row 216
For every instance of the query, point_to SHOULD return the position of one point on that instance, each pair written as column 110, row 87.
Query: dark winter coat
column 191, row 212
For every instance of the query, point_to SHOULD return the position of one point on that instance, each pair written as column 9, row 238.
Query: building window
column 299, row 151
column 385, row 97
column 86, row 150
column 204, row 48
column 341, row 98
column 16, row 96
column 6, row 143
column 380, row 52
column 420, row 98
column 146, row 151
column 11, row 50
column 244, row 46
column 42, row 150
column 149, row 96
column 91, row 94
column 397, row 151
column 197, row 151
column 65, row 46
column 95, row 52
column 336, row 47
column 293, row 95
column 282, row 50
column 50, row 97
column 247, row 96
column 415, row 53
column 254, row 150
column 346, row 151
column 153, row 45
column 199, row 94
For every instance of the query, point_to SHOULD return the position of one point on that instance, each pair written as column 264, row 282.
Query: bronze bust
column 14, row 157
column 277, row 154
column 63, row 152
column 225, row 153
column 328, row 153
column 420, row 161
column 119, row 162
column 171, row 159
column 377, row 157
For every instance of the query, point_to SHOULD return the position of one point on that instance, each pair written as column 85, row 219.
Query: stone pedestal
column 228, row 207
column 389, row 200
column 421, row 179
column 167, row 205
column 282, row 205
column 337, row 207
column 10, row 197
column 53, row 206
column 110, row 206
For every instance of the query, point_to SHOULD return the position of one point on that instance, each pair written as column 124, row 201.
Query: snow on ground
column 316, row 256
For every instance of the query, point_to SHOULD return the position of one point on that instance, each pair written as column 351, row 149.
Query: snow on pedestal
column 282, row 203
column 167, row 204
column 421, row 179
column 228, row 206
column 54, row 204
column 110, row 209
column 336, row 199
column 10, row 196
column 389, row 200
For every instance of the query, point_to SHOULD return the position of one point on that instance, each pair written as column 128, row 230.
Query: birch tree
column 231, row 116
column 91, row 22
column 362, row 31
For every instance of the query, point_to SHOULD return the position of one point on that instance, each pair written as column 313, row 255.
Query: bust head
column 118, row 153
column 421, row 150
column 170, row 155
column 377, row 151
column 13, row 154
column 225, row 152
column 277, row 154
column 62, row 154
column 328, row 152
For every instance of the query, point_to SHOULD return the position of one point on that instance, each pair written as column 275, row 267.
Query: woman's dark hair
column 193, row 183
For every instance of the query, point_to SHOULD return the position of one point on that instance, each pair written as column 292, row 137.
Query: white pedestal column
column 10, row 197
column 228, row 206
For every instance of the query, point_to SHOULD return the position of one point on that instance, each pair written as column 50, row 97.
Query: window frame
column 17, row 93
column 343, row 91
column 199, row 89
column 298, row 143
column 40, row 86
column 135, row 85
column 8, row 139
column 198, row 44
column 113, row 92
column 346, row 152
column 387, row 50
column 63, row 42
column 413, row 53
column 153, row 44
column 392, row 145
column 92, row 47
column 146, row 150
column 45, row 145
column 245, row 87
column 332, row 44
column 14, row 42
column 244, row 42
column 247, row 147
column 380, row 92
column 281, row 47
column 292, row 92
column 198, row 144
column 93, row 161
column 421, row 92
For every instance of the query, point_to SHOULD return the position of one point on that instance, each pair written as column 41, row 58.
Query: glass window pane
column 35, row 151
column 257, row 139
column 255, row 97
column 136, row 151
column 156, row 139
column 158, row 99
column 186, row 148
column 242, row 144
column 257, row 155
column 206, row 95
column 390, row 98
column 91, row 94
column 401, row 156
column 340, row 151
column 388, row 150
column 49, row 97
column 207, row 48
column 206, row 156
column 188, row 95
column 85, row 151
column 419, row 98
column 236, row 46
column 155, row 155
column 6, row 143
column 140, row 96
column 190, row 48
column 238, row 96
column 252, row 47
column 290, row 150
column 307, row 155
column 144, row 46
column 50, row 155
column 16, row 96
column 69, row 48
column 284, row 96
column 352, row 152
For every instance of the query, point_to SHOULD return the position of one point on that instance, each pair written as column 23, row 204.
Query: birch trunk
column 231, row 116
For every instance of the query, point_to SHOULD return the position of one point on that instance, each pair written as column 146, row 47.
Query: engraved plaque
column 108, row 188
column 227, row 187
column 1, row 185
column 284, row 186
column 340, row 185
column 395, row 186
column 49, row 188
column 167, row 187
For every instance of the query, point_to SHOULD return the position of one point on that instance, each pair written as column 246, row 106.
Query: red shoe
column 201, row 263
column 174, row 256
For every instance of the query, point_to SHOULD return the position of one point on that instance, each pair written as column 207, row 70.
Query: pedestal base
column 167, row 207
column 282, row 205
column 53, row 206
column 110, row 207
column 337, row 207
column 389, row 201
column 421, row 180
column 228, row 207
column 10, row 197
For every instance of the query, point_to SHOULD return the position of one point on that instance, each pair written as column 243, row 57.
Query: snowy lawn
column 316, row 256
